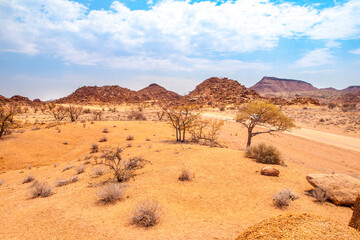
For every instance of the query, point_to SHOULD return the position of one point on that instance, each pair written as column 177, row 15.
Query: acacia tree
column 7, row 114
column 265, row 114
column 182, row 118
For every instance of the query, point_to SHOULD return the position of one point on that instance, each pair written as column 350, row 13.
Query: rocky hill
column 116, row 94
column 156, row 92
column 216, row 91
column 18, row 100
column 274, row 85
column 351, row 89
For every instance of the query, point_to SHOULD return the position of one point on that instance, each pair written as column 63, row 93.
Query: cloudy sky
column 50, row 48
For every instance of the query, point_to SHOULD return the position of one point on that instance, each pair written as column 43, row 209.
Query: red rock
column 270, row 171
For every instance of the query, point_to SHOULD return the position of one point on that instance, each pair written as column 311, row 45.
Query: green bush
column 265, row 154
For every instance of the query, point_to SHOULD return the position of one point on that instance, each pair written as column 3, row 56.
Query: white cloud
column 315, row 58
column 174, row 35
column 355, row 51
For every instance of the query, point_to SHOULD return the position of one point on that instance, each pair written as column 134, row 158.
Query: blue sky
column 50, row 48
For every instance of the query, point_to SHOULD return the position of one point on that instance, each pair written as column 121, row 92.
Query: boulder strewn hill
column 156, row 92
column 351, row 89
column 215, row 91
column 273, row 85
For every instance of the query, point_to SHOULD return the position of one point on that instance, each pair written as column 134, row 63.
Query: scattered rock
column 355, row 220
column 270, row 171
column 341, row 189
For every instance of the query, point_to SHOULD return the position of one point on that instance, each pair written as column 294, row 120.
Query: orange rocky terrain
column 226, row 196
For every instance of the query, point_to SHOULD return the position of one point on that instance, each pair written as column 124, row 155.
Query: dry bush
column 124, row 170
column 28, row 178
column 74, row 179
column 74, row 112
column 105, row 130
column 94, row 148
column 160, row 115
column 186, row 175
column 99, row 171
column 146, row 214
column 80, row 169
column 265, row 154
column 97, row 115
column 7, row 114
column 320, row 194
column 87, row 110
column 40, row 189
column 284, row 197
column 103, row 139
column 136, row 115
column 59, row 112
column 205, row 129
column 129, row 138
column 111, row 192
column 67, row 168
column 61, row 182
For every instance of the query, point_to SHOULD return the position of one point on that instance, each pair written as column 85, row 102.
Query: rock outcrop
column 355, row 219
column 341, row 189
column 275, row 85
column 157, row 93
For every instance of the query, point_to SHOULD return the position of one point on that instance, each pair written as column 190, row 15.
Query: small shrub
column 322, row 120
column 103, row 139
column 146, row 214
column 284, row 197
column 61, row 182
column 148, row 139
column 65, row 143
column 28, row 178
column 185, row 175
column 94, row 148
column 80, row 169
column 67, row 168
column 74, row 179
column 320, row 194
column 111, row 192
column 105, row 130
column 129, row 138
column 264, row 154
column 136, row 116
column 129, row 145
column 40, row 189
column 99, row 171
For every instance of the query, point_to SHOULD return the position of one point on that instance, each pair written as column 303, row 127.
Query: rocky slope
column 156, row 92
column 216, row 91
column 273, row 85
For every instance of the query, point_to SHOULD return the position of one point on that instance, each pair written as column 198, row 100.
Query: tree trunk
column 249, row 138
column 177, row 134
column 355, row 220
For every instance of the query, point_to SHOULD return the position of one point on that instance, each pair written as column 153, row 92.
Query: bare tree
column 206, row 129
column 182, row 118
column 74, row 112
column 265, row 114
column 59, row 112
column 7, row 114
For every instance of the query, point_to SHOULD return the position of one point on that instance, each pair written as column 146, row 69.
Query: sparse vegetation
column 74, row 112
column 80, row 169
column 59, row 112
column 7, row 114
column 284, row 197
column 74, row 179
column 28, row 178
column 61, row 182
column 182, row 119
column 94, row 148
column 146, row 214
column 40, row 189
column 67, row 168
column 103, row 139
column 99, row 170
column 265, row 114
column 205, row 129
column 186, row 175
column 111, row 192
column 105, row 130
column 136, row 115
column 129, row 138
column 264, row 154
column 124, row 170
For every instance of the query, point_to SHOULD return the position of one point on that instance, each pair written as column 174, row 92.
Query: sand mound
column 299, row 226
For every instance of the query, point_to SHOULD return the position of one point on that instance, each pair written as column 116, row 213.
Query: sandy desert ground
column 227, row 195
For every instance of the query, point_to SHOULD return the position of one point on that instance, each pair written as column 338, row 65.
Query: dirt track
column 337, row 140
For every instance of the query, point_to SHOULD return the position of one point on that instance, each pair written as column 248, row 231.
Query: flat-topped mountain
column 274, row 85
column 157, row 92
column 214, row 91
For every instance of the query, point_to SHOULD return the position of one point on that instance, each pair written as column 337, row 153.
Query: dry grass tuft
column 40, row 189
column 103, row 139
column 67, row 168
column 99, row 171
column 80, row 169
column 61, row 182
column 186, row 175
column 94, row 148
column 74, row 179
column 105, row 130
column 129, row 138
column 284, row 197
column 111, row 192
column 264, row 154
column 146, row 214
column 28, row 178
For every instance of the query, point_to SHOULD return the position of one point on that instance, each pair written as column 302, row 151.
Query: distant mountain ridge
column 274, row 85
